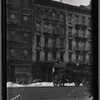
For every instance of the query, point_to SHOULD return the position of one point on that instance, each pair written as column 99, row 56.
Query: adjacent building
column 41, row 33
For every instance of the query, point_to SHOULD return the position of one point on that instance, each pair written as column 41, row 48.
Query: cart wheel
column 84, row 83
column 62, row 84
column 55, row 84
column 77, row 83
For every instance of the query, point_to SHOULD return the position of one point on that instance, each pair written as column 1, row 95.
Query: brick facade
column 41, row 33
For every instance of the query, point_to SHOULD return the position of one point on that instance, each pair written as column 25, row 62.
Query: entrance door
column 37, row 75
column 46, row 74
column 12, row 73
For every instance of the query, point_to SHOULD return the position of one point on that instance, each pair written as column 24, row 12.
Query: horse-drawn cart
column 69, row 74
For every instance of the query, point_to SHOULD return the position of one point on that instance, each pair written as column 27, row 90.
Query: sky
column 76, row 2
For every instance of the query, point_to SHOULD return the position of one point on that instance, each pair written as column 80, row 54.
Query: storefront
column 42, row 72
column 20, row 73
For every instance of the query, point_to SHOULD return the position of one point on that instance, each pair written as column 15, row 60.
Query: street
column 47, row 93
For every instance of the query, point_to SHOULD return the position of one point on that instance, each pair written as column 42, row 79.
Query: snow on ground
column 38, row 84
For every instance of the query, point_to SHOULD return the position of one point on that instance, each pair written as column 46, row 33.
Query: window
column 12, row 52
column 25, row 34
column 77, row 46
column 90, row 22
column 46, row 28
column 61, row 43
column 24, row 3
column 89, row 34
column 77, row 18
column 12, row 35
column 53, row 16
column 70, row 44
column 12, row 32
column 61, row 56
column 54, row 42
column 38, row 55
column 61, row 30
column 77, row 57
column 25, row 54
column 81, row 57
column 38, row 27
column 70, row 31
column 38, row 40
column 61, row 17
column 14, row 2
column 54, row 55
column 70, row 56
column 83, row 33
column 46, row 56
column 69, row 18
column 25, row 38
column 90, row 58
column 54, row 29
column 83, row 20
column 76, row 34
column 89, row 46
column 46, row 42
column 25, row 18
column 13, row 16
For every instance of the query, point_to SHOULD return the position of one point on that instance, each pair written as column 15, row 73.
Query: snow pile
column 11, row 84
column 38, row 84
column 70, row 84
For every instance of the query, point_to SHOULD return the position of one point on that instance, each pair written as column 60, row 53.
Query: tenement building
column 41, row 33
